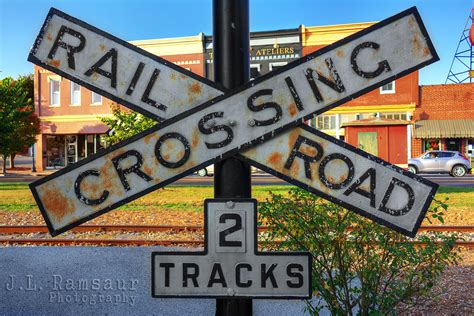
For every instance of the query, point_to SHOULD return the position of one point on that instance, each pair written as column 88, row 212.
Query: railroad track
column 101, row 228
column 179, row 228
column 136, row 242
column 16, row 230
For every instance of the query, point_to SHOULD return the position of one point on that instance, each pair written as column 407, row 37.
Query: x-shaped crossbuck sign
column 262, row 122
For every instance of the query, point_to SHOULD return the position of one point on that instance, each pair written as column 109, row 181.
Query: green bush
column 357, row 264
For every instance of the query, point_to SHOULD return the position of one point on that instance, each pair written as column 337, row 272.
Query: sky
column 21, row 20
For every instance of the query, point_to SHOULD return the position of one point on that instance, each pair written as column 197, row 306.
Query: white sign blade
column 225, row 125
column 347, row 176
column 231, row 264
column 116, row 69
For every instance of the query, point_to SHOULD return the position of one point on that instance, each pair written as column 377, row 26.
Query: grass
column 16, row 197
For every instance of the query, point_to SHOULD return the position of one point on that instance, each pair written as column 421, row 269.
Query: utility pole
column 231, row 43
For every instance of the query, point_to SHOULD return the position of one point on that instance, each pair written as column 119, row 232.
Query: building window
column 322, row 122
column 55, row 151
column 388, row 88
column 431, row 144
column 75, row 94
column 275, row 66
column 54, row 96
column 96, row 99
column 254, row 71
column 363, row 116
column 394, row 116
column 348, row 118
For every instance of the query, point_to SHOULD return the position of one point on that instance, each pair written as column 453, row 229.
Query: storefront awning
column 76, row 127
column 444, row 129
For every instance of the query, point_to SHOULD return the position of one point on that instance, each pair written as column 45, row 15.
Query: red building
column 381, row 137
column 444, row 119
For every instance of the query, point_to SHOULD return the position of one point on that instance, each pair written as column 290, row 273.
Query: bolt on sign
column 231, row 264
column 234, row 121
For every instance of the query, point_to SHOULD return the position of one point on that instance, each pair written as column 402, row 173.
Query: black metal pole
column 33, row 161
column 231, row 41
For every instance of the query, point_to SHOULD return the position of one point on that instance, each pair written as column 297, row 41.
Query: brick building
column 69, row 120
column 70, row 114
column 444, row 119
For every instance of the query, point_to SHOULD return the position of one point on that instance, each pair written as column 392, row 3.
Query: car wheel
column 458, row 171
column 412, row 169
column 202, row 172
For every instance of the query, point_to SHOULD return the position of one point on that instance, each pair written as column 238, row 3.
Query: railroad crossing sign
column 268, row 108
column 231, row 264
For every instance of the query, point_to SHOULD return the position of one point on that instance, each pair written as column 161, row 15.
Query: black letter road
column 228, row 124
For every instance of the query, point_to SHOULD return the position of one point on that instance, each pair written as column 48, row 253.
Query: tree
column 125, row 124
column 19, row 124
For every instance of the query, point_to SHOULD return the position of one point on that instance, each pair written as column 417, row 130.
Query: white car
column 440, row 161
column 209, row 171
column 206, row 171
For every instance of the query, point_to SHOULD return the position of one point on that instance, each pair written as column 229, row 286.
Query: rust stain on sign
column 148, row 139
column 416, row 45
column 292, row 137
column 426, row 52
column 148, row 170
column 56, row 202
column 274, row 159
column 340, row 53
column 195, row 88
column 195, row 139
column 295, row 169
column 90, row 190
column 308, row 151
column 292, row 109
column 110, row 181
column 54, row 62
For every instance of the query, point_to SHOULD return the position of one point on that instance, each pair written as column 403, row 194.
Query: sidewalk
column 19, row 173
column 22, row 170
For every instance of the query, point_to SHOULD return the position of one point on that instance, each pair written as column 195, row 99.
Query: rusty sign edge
column 217, row 99
column 53, row 11
column 426, row 204
column 256, row 253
